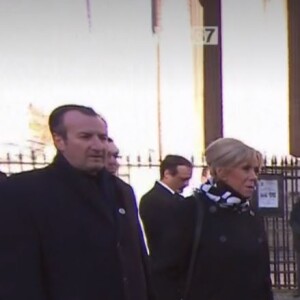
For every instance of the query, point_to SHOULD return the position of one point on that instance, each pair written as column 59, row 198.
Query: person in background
column 112, row 165
column 70, row 230
column 232, row 259
column 295, row 225
column 161, row 214
column 205, row 174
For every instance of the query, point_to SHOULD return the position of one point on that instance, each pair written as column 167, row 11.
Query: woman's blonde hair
column 229, row 153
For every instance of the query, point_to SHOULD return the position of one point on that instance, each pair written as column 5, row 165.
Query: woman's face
column 242, row 178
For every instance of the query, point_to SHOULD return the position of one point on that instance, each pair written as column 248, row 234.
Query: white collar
column 166, row 187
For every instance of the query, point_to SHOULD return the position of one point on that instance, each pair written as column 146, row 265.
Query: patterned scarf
column 224, row 199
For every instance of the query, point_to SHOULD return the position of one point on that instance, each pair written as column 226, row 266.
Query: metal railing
column 141, row 174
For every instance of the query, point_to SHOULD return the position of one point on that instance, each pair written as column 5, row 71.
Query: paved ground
column 284, row 295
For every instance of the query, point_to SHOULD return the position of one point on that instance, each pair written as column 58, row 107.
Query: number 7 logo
column 206, row 35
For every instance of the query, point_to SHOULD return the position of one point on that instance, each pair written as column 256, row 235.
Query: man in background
column 162, row 213
column 205, row 174
column 112, row 165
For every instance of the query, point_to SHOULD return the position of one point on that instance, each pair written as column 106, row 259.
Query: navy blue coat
column 65, row 237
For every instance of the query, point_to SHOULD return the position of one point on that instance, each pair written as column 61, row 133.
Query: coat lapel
column 84, row 189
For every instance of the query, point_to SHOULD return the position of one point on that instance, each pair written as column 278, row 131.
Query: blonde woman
column 232, row 259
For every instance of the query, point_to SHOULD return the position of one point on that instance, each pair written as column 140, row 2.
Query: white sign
column 268, row 196
column 205, row 35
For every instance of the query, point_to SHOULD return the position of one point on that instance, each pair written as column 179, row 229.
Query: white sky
column 48, row 56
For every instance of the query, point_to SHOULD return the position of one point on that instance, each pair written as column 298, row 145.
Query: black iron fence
column 141, row 174
column 282, row 254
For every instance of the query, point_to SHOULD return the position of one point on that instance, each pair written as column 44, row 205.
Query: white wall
column 255, row 73
column 49, row 56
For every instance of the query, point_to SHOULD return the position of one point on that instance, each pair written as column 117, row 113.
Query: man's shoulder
column 156, row 194
column 27, row 178
column 19, row 189
column 152, row 192
column 29, row 175
column 122, row 184
column 159, row 190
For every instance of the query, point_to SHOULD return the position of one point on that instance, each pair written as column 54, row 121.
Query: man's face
column 180, row 180
column 112, row 164
column 85, row 143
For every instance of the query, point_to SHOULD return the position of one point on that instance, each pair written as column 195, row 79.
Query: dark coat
column 232, row 259
column 65, row 236
column 2, row 176
column 295, row 225
column 162, row 214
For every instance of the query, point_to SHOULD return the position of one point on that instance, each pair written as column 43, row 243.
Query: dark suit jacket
column 164, row 219
column 65, row 237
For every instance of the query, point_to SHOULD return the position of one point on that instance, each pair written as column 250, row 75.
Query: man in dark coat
column 162, row 211
column 70, row 231
column 111, row 164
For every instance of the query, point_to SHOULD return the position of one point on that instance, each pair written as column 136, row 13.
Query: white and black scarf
column 224, row 198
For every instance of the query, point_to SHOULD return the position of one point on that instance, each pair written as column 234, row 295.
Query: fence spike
column 192, row 159
column 33, row 155
column 150, row 160
column 265, row 161
column 20, row 157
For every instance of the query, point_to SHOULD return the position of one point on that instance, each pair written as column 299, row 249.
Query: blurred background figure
column 205, row 174
column 112, row 165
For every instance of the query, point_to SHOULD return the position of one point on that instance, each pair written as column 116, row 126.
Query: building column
column 213, row 112
column 293, row 9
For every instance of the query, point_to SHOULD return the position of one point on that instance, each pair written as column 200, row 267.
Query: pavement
column 284, row 295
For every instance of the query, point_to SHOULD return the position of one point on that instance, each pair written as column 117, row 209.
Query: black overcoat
column 62, row 237
column 232, row 260
column 168, row 232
